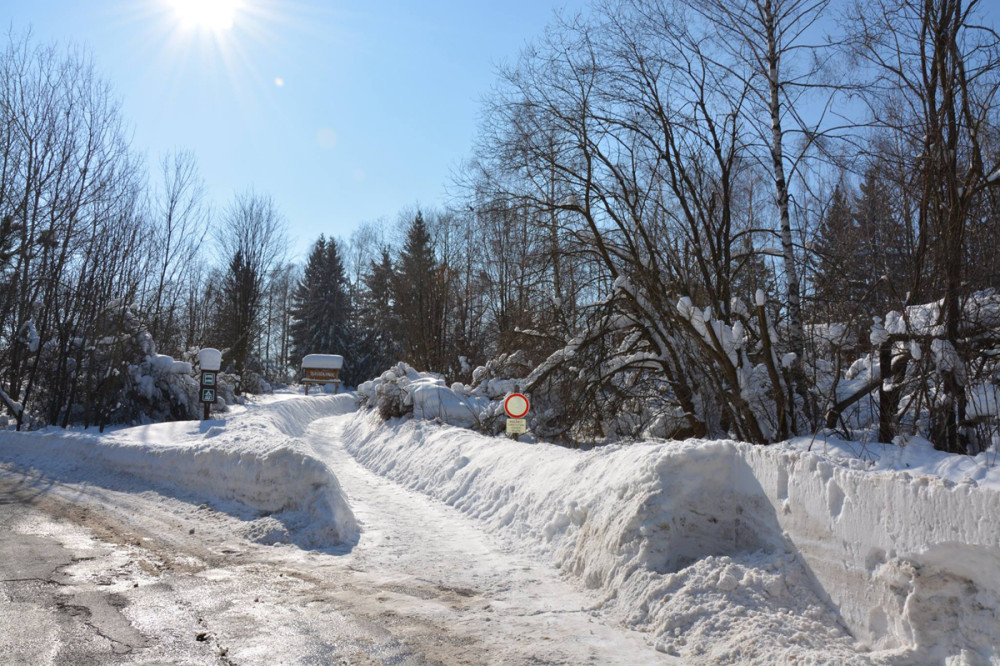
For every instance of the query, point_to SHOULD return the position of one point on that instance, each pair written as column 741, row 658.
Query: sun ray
column 211, row 14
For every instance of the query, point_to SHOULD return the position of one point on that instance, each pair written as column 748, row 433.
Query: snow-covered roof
column 210, row 359
column 327, row 361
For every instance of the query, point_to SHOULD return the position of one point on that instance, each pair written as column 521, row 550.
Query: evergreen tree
column 418, row 300
column 883, row 257
column 321, row 308
column 840, row 283
column 377, row 347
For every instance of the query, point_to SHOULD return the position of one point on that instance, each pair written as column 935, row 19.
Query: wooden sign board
column 321, row 374
column 322, row 369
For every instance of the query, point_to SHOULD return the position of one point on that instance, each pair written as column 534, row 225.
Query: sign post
column 322, row 369
column 516, row 405
column 210, row 361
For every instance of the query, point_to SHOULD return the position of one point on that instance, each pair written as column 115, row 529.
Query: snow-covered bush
column 401, row 391
column 387, row 393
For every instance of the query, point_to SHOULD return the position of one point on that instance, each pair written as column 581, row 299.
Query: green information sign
column 208, row 395
column 207, row 378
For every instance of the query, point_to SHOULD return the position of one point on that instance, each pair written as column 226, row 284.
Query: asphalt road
column 45, row 617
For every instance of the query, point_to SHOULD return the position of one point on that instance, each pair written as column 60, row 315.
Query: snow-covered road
column 411, row 542
column 432, row 562
column 136, row 572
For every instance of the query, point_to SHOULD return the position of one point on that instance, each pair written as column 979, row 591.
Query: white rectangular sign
column 517, row 426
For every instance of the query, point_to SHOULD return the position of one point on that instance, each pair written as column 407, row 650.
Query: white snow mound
column 705, row 543
column 253, row 460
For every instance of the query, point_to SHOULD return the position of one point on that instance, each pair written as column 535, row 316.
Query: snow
column 30, row 335
column 704, row 544
column 167, row 365
column 983, row 401
column 811, row 551
column 210, row 359
column 325, row 361
column 879, row 335
column 256, row 463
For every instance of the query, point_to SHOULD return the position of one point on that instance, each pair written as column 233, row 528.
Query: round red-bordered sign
column 516, row 405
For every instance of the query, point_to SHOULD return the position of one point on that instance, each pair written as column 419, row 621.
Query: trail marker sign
column 210, row 361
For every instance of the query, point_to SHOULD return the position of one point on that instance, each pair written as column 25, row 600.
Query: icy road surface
column 94, row 575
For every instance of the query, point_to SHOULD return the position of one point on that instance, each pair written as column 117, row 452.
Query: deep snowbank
column 252, row 460
column 705, row 543
column 910, row 560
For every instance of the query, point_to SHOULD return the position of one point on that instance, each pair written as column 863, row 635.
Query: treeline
column 729, row 192
column 750, row 219
column 102, row 264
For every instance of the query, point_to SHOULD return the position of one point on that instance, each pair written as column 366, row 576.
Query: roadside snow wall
column 910, row 561
column 251, row 459
column 705, row 543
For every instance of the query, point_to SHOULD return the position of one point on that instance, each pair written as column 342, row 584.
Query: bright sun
column 212, row 14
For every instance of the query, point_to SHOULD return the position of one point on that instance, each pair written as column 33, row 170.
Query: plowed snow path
column 432, row 561
column 136, row 575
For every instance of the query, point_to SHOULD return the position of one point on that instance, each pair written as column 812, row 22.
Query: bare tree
column 935, row 92
column 180, row 220
column 69, row 183
column 252, row 243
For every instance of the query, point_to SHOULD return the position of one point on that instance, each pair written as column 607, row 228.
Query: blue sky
column 343, row 111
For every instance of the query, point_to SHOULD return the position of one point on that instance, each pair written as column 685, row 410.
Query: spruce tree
column 377, row 347
column 884, row 256
column 321, row 309
column 417, row 298
column 839, row 284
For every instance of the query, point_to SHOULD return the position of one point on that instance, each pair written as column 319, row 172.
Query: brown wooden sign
column 321, row 374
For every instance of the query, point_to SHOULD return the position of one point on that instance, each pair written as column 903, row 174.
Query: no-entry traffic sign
column 516, row 405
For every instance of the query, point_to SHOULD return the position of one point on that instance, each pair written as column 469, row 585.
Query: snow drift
column 251, row 464
column 705, row 543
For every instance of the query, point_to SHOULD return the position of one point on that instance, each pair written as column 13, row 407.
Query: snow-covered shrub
column 401, row 391
column 163, row 389
column 387, row 393
column 254, row 379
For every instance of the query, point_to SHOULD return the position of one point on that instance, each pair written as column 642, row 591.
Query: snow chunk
column 29, row 335
column 210, row 359
column 325, row 361
column 167, row 365
column 878, row 334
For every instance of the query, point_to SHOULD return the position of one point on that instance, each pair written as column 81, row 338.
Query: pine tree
column 840, row 283
column 417, row 299
column 321, row 310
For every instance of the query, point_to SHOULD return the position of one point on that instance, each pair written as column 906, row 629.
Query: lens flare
column 212, row 14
